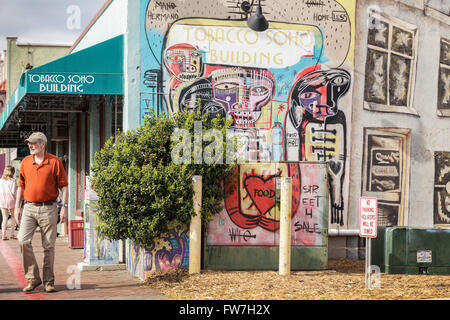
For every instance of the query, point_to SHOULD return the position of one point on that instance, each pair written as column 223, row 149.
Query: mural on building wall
column 385, row 172
column 314, row 118
column 252, row 216
column 97, row 250
column 442, row 188
column 252, row 206
column 287, row 89
column 167, row 252
column 135, row 259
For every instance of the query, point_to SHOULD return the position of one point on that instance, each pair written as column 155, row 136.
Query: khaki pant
column 46, row 218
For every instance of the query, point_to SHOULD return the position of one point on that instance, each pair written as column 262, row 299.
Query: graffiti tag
column 237, row 234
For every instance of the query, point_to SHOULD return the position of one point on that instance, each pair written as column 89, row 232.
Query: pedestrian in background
column 8, row 189
column 41, row 177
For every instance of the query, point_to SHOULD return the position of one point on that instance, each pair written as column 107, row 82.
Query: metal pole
column 195, row 230
column 366, row 266
column 115, row 116
column 368, row 263
column 285, row 226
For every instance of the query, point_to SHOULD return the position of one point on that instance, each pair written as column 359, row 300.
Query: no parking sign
column 368, row 212
column 368, row 217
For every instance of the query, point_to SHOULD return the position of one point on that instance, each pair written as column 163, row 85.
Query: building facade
column 16, row 59
column 362, row 86
column 21, row 57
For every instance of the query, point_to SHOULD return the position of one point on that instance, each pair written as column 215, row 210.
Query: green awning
column 97, row 70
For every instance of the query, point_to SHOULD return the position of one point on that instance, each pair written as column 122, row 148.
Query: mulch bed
column 343, row 280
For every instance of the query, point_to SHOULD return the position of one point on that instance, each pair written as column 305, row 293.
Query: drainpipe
column 343, row 232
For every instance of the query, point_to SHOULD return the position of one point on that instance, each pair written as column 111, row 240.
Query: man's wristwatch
column 65, row 205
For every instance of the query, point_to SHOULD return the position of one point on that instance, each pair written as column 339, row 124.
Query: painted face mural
column 184, row 62
column 243, row 93
column 200, row 93
column 319, row 91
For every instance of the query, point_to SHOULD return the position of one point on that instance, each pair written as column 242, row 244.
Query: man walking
column 41, row 175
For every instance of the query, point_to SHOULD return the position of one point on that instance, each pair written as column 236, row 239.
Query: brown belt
column 40, row 204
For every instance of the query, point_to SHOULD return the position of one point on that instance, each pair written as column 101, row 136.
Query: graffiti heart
column 252, row 204
column 252, row 213
column 261, row 191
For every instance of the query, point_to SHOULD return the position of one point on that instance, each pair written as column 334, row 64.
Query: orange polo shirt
column 41, row 181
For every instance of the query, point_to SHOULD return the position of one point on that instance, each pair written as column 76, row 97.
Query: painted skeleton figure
column 320, row 127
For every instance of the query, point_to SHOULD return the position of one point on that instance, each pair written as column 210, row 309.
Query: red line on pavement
column 16, row 267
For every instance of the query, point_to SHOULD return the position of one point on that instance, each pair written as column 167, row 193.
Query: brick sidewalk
column 96, row 285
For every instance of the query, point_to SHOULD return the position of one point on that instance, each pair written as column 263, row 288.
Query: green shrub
column 141, row 190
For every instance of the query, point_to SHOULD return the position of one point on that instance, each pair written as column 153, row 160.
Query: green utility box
column 403, row 250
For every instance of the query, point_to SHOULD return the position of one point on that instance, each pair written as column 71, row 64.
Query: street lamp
column 257, row 21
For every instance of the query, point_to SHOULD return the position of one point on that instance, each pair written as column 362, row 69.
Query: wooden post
column 195, row 230
column 285, row 226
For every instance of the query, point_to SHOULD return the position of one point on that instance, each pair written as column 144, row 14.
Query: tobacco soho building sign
column 60, row 83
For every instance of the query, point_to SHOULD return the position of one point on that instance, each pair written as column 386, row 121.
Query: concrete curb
column 83, row 266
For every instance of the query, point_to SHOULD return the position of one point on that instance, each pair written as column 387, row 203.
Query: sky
column 45, row 21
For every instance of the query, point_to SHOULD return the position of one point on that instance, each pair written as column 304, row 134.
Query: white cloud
column 43, row 21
